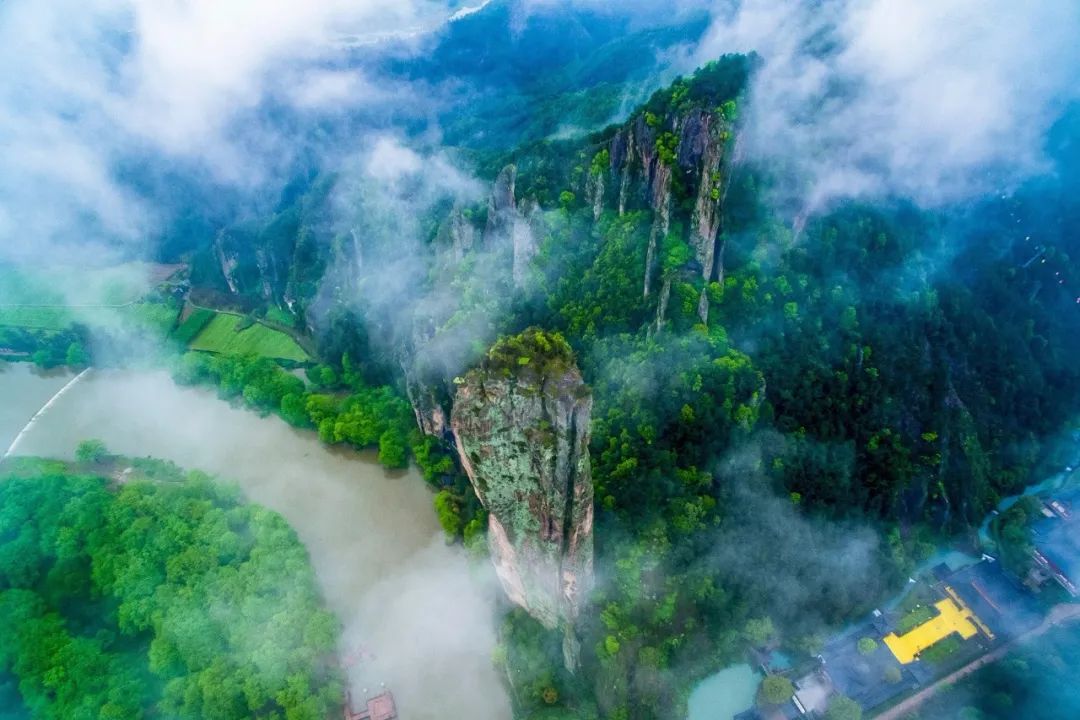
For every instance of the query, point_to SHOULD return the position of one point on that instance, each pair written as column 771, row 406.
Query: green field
column 279, row 316
column 53, row 298
column 223, row 335
column 156, row 316
column 73, row 285
column 914, row 618
column 36, row 318
column 193, row 324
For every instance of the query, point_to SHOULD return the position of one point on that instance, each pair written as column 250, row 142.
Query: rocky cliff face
column 695, row 144
column 521, row 423
column 517, row 224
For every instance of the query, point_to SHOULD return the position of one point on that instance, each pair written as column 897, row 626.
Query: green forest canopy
column 166, row 598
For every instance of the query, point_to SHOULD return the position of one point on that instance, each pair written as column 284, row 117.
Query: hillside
column 846, row 353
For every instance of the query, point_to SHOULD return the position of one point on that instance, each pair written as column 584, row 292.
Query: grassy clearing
column 914, row 618
column 36, row 318
column 227, row 335
column 941, row 650
column 193, row 324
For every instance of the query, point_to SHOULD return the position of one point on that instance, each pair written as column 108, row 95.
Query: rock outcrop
column 521, row 423
column 699, row 140
column 518, row 225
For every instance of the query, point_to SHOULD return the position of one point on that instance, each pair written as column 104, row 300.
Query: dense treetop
column 165, row 597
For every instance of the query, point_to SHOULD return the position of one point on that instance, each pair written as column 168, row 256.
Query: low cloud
column 96, row 95
column 932, row 100
column 805, row 572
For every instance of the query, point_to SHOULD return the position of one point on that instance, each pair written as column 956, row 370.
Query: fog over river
column 417, row 616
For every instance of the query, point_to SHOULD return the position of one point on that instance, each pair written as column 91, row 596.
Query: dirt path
column 1058, row 615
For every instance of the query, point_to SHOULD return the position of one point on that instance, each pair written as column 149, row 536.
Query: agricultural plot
column 55, row 297
column 74, row 285
column 193, row 324
column 36, row 318
column 226, row 334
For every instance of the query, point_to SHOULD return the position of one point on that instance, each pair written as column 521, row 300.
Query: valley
column 415, row 617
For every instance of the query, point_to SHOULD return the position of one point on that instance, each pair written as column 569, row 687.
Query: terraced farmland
column 226, row 334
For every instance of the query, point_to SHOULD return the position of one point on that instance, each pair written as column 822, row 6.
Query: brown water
column 23, row 390
column 416, row 612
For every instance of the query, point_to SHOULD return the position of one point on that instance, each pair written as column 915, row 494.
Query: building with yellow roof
column 953, row 617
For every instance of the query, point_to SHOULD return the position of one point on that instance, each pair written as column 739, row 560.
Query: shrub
column 775, row 689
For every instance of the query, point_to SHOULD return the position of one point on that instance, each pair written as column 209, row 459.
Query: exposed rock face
column 594, row 194
column 460, row 234
column 227, row 261
column 422, row 383
column 527, row 230
column 645, row 178
column 522, row 432
column 502, row 205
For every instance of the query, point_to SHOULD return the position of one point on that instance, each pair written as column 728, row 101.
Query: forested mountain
column 760, row 380
column 689, row 398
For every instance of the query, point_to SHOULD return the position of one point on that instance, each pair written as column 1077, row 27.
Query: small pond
column 723, row 695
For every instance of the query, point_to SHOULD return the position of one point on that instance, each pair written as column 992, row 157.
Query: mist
column 417, row 615
column 120, row 116
column 932, row 101
column 97, row 112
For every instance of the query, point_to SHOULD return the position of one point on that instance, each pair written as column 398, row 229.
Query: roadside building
column 379, row 707
column 1056, row 537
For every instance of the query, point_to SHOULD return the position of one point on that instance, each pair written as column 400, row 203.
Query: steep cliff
column 679, row 158
column 521, row 423
column 671, row 160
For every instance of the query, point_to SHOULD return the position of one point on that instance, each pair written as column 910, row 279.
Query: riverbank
column 415, row 614
column 44, row 408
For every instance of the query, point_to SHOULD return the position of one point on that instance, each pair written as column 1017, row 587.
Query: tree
column 294, row 410
column 775, row 689
column 843, row 708
column 43, row 358
column 91, row 451
column 867, row 645
column 446, row 507
column 392, row 452
column 759, row 631
column 76, row 355
column 811, row 644
column 174, row 559
column 893, row 675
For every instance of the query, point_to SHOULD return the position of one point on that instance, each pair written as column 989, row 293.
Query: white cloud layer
column 88, row 84
column 931, row 99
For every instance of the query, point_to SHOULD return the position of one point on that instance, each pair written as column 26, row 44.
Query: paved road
column 1058, row 615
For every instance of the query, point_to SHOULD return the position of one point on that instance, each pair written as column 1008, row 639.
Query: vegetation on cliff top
column 534, row 351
